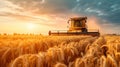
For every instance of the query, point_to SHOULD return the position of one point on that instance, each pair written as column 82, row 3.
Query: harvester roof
column 78, row 18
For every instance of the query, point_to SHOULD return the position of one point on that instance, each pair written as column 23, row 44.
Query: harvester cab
column 77, row 26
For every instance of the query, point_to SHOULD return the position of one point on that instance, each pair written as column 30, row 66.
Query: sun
column 30, row 26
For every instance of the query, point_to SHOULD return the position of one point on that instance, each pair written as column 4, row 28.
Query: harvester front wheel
column 84, row 30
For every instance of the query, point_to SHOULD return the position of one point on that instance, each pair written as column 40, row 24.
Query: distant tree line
column 19, row 34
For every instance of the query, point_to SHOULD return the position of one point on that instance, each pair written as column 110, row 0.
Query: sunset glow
column 25, row 16
column 31, row 26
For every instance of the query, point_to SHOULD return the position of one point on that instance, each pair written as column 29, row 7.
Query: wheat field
column 59, row 51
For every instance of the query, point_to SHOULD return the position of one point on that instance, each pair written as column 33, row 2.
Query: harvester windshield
column 77, row 24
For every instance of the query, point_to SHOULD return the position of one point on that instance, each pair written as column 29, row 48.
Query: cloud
column 96, row 11
column 6, row 6
column 46, row 6
column 16, row 12
column 101, row 8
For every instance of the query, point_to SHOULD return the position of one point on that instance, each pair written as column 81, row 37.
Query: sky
column 40, row 16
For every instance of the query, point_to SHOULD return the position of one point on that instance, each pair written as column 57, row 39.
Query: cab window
column 77, row 23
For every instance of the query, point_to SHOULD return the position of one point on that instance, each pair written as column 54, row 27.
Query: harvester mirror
column 68, row 21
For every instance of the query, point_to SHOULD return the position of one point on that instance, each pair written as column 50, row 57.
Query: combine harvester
column 77, row 26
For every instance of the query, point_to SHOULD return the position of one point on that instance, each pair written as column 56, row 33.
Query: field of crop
column 59, row 51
